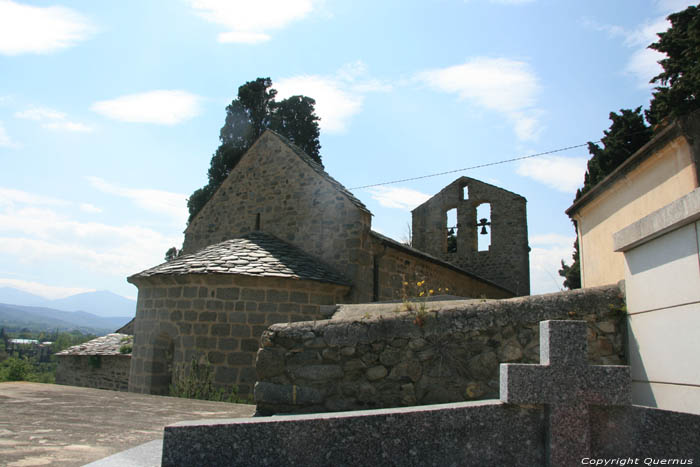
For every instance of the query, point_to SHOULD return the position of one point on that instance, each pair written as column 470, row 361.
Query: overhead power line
column 475, row 166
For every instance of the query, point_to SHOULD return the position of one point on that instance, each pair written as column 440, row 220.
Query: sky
column 110, row 112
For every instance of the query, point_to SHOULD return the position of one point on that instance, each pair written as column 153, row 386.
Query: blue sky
column 110, row 111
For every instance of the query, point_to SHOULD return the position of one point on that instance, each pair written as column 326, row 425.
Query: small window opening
column 483, row 216
column 451, row 228
column 465, row 192
column 257, row 221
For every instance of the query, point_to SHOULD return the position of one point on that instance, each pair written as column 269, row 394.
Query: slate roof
column 318, row 168
column 105, row 345
column 255, row 254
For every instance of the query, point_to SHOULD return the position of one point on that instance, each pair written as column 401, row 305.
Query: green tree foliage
column 572, row 274
column 247, row 117
column 171, row 254
column 679, row 86
column 627, row 133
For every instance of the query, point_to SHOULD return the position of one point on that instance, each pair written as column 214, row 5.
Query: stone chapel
column 280, row 239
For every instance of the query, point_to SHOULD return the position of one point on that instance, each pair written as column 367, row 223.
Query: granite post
column 566, row 385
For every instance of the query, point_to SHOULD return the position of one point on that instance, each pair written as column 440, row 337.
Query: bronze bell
column 483, row 223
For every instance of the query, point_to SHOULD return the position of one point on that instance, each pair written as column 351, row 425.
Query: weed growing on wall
column 196, row 381
column 414, row 299
column 127, row 345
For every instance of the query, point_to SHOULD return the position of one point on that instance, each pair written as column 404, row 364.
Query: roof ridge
column 320, row 169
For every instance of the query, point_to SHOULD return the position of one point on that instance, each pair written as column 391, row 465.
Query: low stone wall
column 94, row 371
column 413, row 358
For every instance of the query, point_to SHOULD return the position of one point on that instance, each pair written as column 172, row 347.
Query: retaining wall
column 94, row 371
column 404, row 358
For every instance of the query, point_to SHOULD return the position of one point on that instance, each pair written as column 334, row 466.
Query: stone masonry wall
column 273, row 190
column 94, row 371
column 506, row 262
column 396, row 266
column 217, row 316
column 380, row 361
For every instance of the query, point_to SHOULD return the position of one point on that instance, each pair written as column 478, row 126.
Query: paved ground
column 47, row 424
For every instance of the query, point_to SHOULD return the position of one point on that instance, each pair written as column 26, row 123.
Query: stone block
column 249, row 345
column 277, row 296
column 220, row 330
column 207, row 316
column 240, row 330
column 256, row 318
column 299, row 297
column 215, row 357
column 227, row 293
column 376, row 373
column 225, row 375
column 318, row 372
column 254, row 295
column 228, row 343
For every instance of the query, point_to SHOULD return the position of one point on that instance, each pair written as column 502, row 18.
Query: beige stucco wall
column 662, row 178
column 662, row 281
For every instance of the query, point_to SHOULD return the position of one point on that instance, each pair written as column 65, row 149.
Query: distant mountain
column 48, row 319
column 99, row 303
column 19, row 297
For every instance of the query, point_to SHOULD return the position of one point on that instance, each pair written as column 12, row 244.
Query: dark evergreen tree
column 247, row 117
column 171, row 254
column 679, row 87
column 572, row 274
column 627, row 133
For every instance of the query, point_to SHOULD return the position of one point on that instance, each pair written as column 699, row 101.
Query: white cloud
column 338, row 97
column 544, row 268
column 68, row 126
column 167, row 203
column 30, row 29
column 11, row 197
column 248, row 21
column 41, row 236
column 548, row 250
column 333, row 104
column 398, row 197
column 643, row 62
column 50, row 292
column 52, row 119
column 40, row 113
column 90, row 208
column 5, row 140
column 165, row 107
column 499, row 84
column 561, row 173
column 672, row 6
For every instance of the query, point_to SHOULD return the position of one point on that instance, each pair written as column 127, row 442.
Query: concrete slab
column 146, row 455
column 48, row 424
